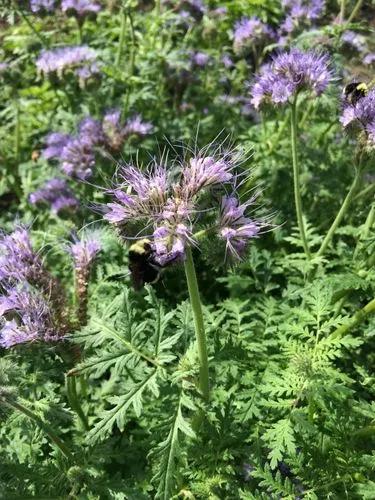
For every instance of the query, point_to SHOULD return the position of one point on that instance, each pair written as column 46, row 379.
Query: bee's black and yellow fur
column 142, row 265
column 354, row 91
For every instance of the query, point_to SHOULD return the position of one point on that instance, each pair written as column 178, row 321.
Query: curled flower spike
column 249, row 32
column 60, row 60
column 290, row 73
column 78, row 159
column 234, row 227
column 34, row 318
column 116, row 132
column 80, row 8
column 84, row 252
column 41, row 6
column 55, row 143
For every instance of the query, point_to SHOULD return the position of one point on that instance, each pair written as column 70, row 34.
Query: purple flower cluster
column 200, row 59
column 167, row 202
column 189, row 9
column 25, row 317
column 369, row 59
column 18, row 261
column 79, row 59
column 290, row 73
column 42, row 6
column 354, row 40
column 304, row 9
column 80, row 8
column 76, row 154
column 55, row 193
column 249, row 32
column 361, row 115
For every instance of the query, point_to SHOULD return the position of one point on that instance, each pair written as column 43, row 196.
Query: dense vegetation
column 148, row 148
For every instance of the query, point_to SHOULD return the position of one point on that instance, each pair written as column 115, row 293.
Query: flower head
column 200, row 59
column 56, row 193
column 90, row 131
column 304, row 9
column 42, row 6
column 34, row 318
column 249, row 32
column 80, row 8
column 78, row 159
column 55, row 143
column 290, row 73
column 361, row 115
column 65, row 59
column 234, row 227
column 136, row 126
column 369, row 58
column 18, row 261
column 84, row 251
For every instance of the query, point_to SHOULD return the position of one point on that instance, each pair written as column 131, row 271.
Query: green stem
column 306, row 114
column 356, row 319
column 365, row 192
column 196, row 306
column 121, row 41
column 341, row 213
column 297, row 191
column 71, row 389
column 280, row 131
column 17, row 135
column 358, row 5
column 342, row 11
column 45, row 427
column 79, row 31
column 366, row 229
column 41, row 38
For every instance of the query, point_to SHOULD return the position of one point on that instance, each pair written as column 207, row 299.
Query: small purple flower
column 55, row 143
column 63, row 59
column 200, row 59
column 227, row 61
column 169, row 242
column 80, row 8
column 190, row 8
column 290, row 73
column 56, row 193
column 369, row 58
column 219, row 12
column 304, row 9
column 361, row 115
column 354, row 40
column 84, row 251
column 34, row 319
column 135, row 126
column 78, row 159
column 234, row 227
column 202, row 172
column 249, row 32
column 42, row 6
column 18, row 260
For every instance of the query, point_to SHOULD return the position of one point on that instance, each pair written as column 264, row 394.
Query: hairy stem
column 196, row 306
column 15, row 405
column 366, row 229
column 342, row 10
column 79, row 31
column 297, row 190
column 71, row 389
column 341, row 213
column 355, row 320
column 17, row 134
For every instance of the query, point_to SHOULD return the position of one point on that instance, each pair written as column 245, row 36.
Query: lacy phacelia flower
column 60, row 60
column 194, row 9
column 147, row 195
column 18, row 261
column 200, row 59
column 135, row 126
column 249, row 32
column 169, row 241
column 234, row 228
column 361, row 115
column 91, row 131
column 78, row 159
column 116, row 132
column 80, row 8
column 290, row 73
column 42, row 6
column 57, row 194
column 84, row 252
column 34, row 318
column 55, row 143
column 202, row 172
column 369, row 58
column 304, row 9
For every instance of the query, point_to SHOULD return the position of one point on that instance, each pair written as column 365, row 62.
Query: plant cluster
column 187, row 249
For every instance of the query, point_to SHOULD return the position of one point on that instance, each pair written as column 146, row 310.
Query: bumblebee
column 142, row 265
column 355, row 91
